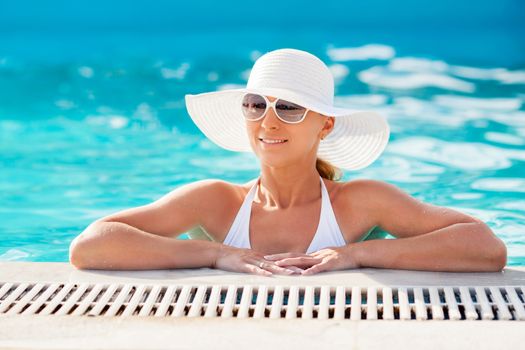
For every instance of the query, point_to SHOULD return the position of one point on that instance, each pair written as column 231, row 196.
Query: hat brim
column 357, row 140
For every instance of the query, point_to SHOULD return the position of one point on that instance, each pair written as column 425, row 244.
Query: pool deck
column 83, row 332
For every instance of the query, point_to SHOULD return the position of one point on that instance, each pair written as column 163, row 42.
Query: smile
column 272, row 142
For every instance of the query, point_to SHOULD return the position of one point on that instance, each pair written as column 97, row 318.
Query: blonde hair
column 327, row 170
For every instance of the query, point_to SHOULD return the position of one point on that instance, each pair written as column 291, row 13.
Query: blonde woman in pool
column 296, row 217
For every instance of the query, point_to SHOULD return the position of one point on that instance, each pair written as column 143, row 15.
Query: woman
column 295, row 218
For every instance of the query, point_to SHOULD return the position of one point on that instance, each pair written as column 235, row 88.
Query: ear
column 327, row 127
column 329, row 124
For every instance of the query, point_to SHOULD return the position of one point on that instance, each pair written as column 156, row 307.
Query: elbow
column 496, row 249
column 82, row 246
column 496, row 257
column 77, row 253
column 500, row 259
column 74, row 255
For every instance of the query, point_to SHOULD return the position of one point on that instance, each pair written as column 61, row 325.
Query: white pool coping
column 82, row 332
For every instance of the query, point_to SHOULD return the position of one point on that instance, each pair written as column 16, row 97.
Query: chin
column 275, row 160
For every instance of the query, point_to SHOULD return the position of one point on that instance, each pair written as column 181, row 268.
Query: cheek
column 252, row 137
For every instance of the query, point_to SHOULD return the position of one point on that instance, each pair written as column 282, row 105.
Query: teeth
column 273, row 141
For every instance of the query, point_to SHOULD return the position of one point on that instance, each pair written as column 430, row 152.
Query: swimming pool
column 96, row 123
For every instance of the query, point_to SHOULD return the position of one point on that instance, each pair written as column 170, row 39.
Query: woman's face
column 302, row 139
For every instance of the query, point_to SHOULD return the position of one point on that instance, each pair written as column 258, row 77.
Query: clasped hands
column 327, row 259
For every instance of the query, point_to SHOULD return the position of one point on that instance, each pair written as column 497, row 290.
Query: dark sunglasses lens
column 289, row 111
column 253, row 106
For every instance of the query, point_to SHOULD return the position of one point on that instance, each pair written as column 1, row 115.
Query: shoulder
column 369, row 187
column 218, row 199
column 200, row 198
column 209, row 193
column 365, row 184
column 373, row 195
column 362, row 190
column 368, row 197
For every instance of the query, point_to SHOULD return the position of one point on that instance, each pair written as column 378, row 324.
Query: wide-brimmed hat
column 357, row 139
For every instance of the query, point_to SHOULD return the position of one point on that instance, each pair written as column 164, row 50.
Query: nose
column 270, row 120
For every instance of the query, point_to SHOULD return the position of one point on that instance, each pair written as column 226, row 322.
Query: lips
column 270, row 141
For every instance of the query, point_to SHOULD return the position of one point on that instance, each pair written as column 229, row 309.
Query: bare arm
column 119, row 246
column 461, row 247
column 429, row 237
column 145, row 237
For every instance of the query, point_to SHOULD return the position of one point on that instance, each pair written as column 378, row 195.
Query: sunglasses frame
column 272, row 105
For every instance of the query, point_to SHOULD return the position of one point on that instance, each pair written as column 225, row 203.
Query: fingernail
column 268, row 256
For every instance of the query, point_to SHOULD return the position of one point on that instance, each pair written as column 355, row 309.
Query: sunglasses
column 255, row 106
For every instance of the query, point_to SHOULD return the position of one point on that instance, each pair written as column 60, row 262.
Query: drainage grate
column 307, row 302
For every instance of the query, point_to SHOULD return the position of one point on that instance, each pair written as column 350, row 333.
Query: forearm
column 118, row 246
column 463, row 247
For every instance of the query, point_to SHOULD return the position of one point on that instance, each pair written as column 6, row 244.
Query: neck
column 285, row 189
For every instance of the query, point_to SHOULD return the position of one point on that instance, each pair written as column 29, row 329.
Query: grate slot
column 24, row 301
column 372, row 310
column 340, row 303
column 121, row 297
column 306, row 308
column 502, row 310
column 72, row 300
column 42, row 298
column 516, row 303
column 246, row 302
column 324, row 303
column 404, row 306
column 277, row 302
column 11, row 297
column 86, row 302
column 197, row 302
column 355, row 303
column 212, row 305
column 230, row 302
column 486, row 309
column 151, row 301
column 166, row 301
column 419, row 302
column 260, row 305
column 57, row 299
column 102, row 303
column 182, row 301
column 292, row 308
column 135, row 296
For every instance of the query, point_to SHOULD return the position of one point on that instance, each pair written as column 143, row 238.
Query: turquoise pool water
column 93, row 124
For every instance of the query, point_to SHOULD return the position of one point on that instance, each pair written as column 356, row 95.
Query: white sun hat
column 357, row 139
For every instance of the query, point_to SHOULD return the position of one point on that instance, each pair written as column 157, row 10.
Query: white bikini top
column 328, row 233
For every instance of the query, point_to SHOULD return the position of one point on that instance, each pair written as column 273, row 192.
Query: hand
column 247, row 260
column 328, row 259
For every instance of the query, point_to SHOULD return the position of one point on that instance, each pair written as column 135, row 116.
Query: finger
column 301, row 266
column 257, row 270
column 291, row 268
column 303, row 260
column 315, row 269
column 282, row 255
column 295, row 269
column 278, row 269
column 270, row 266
